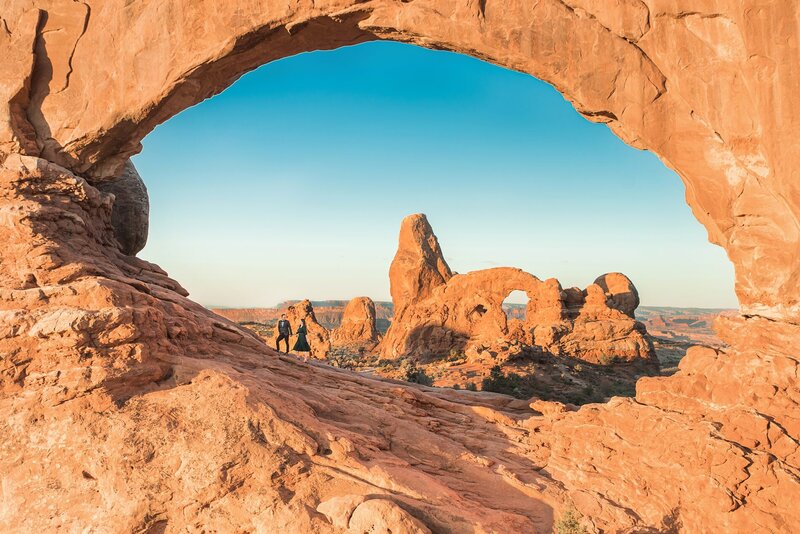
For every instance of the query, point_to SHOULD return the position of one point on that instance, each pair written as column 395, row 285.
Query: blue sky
column 292, row 184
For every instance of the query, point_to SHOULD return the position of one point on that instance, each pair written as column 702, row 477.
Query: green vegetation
column 607, row 359
column 569, row 524
column 416, row 375
column 508, row 384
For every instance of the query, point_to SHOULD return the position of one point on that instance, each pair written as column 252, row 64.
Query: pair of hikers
column 285, row 331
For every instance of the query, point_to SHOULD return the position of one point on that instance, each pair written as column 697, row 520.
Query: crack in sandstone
column 70, row 68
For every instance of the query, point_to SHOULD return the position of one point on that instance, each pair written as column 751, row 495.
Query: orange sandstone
column 126, row 406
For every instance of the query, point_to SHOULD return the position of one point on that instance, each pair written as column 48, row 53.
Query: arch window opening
column 515, row 305
column 284, row 195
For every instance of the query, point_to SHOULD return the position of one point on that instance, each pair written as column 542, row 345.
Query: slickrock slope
column 124, row 405
column 464, row 312
column 127, row 407
column 358, row 325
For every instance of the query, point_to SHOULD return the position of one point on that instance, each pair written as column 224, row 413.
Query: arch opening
column 310, row 143
column 515, row 305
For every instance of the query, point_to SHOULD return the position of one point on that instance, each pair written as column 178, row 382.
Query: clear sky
column 292, row 184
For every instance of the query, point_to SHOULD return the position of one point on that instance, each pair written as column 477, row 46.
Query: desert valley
column 507, row 357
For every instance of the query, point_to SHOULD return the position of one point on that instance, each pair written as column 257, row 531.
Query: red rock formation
column 125, row 404
column 418, row 266
column 464, row 311
column 318, row 336
column 358, row 324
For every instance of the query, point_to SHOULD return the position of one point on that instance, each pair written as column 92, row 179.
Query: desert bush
column 607, row 359
column 499, row 382
column 569, row 524
column 471, row 386
column 416, row 375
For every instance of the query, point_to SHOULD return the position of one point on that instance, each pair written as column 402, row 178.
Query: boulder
column 130, row 214
column 358, row 324
column 620, row 292
column 382, row 516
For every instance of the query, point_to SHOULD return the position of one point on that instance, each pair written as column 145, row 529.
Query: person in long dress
column 301, row 345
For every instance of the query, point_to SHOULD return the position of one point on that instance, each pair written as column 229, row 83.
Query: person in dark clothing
column 301, row 345
column 284, row 331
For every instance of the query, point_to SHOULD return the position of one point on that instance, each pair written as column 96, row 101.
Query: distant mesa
column 437, row 311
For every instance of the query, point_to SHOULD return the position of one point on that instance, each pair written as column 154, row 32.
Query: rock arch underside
column 126, row 407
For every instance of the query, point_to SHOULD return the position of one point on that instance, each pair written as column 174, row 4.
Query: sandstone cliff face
column 358, row 325
column 125, row 404
column 463, row 312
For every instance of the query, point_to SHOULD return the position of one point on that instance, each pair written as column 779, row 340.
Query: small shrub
column 578, row 368
column 499, row 382
column 569, row 524
column 417, row 376
column 471, row 386
column 607, row 359
column 456, row 386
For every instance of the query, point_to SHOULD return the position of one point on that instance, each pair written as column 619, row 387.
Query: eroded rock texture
column 464, row 312
column 126, row 406
column 358, row 326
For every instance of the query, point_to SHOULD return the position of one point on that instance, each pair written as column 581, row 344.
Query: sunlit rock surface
column 358, row 326
column 464, row 312
column 126, row 406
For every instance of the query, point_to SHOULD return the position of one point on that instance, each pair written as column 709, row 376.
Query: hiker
column 301, row 345
column 284, row 331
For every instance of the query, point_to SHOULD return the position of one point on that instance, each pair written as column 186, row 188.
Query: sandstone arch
column 709, row 86
column 641, row 67
column 437, row 314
